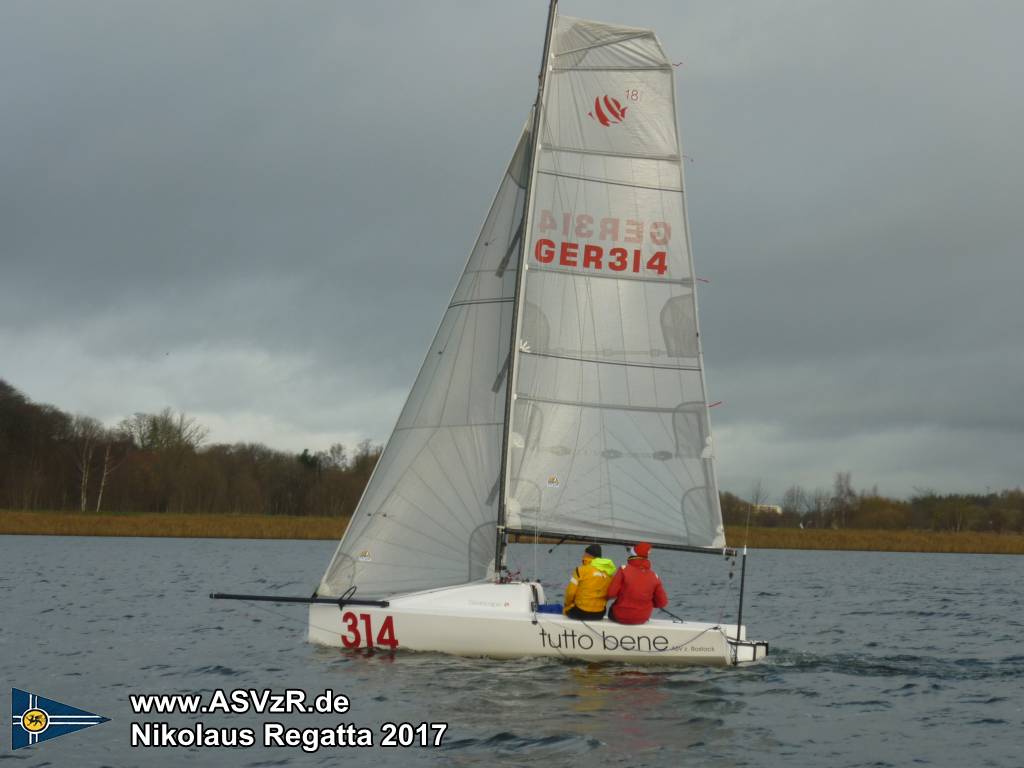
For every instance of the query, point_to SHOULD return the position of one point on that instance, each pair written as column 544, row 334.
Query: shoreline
column 225, row 526
column 170, row 525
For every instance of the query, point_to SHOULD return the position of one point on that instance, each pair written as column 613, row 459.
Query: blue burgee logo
column 35, row 719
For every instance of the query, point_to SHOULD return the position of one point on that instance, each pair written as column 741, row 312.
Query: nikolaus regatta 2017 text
column 573, row 254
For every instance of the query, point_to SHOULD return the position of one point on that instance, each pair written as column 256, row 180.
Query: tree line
column 161, row 462
column 843, row 507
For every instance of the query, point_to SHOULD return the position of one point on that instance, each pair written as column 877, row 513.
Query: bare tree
column 86, row 433
column 794, row 500
column 816, row 507
column 110, row 461
column 164, row 430
column 338, row 456
column 758, row 496
column 843, row 498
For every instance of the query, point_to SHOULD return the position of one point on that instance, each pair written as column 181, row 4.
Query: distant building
column 768, row 508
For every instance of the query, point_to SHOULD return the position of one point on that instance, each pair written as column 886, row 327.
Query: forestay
column 609, row 426
column 428, row 515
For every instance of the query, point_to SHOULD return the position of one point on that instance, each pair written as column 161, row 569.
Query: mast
column 500, row 538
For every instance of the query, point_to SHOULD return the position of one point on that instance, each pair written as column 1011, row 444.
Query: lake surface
column 878, row 659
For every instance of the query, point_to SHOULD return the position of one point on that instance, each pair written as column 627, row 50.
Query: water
column 878, row 659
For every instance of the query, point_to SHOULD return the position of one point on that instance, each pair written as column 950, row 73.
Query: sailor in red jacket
column 637, row 589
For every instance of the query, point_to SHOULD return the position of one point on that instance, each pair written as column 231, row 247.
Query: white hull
column 498, row 620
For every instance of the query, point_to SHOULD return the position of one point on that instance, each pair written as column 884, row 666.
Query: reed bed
column 878, row 540
column 284, row 527
column 171, row 524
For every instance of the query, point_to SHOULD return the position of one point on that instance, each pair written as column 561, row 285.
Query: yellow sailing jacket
column 588, row 587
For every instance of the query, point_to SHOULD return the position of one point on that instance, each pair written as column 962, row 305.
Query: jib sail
column 428, row 515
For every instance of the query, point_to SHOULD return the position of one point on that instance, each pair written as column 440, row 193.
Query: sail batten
column 665, row 68
column 606, row 153
column 578, row 177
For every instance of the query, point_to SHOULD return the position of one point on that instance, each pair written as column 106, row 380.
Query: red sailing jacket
column 638, row 591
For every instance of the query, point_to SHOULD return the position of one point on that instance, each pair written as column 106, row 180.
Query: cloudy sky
column 256, row 211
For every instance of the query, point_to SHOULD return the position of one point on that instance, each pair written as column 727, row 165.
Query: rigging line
column 560, row 542
column 663, row 610
column 653, row 68
column 536, row 545
column 726, row 590
column 746, row 532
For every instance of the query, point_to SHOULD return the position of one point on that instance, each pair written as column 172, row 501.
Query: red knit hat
column 640, row 549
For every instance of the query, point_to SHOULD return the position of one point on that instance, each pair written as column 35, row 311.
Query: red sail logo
column 608, row 110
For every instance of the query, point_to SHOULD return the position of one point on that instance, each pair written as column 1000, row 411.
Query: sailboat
column 563, row 396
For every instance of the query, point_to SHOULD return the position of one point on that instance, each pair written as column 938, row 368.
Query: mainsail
column 607, row 432
column 609, row 429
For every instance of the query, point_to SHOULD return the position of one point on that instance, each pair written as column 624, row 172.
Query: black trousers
column 576, row 613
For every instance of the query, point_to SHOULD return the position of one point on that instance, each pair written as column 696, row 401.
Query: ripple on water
column 901, row 670
column 216, row 669
column 509, row 743
column 935, row 667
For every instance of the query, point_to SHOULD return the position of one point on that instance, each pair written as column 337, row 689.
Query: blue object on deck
column 550, row 608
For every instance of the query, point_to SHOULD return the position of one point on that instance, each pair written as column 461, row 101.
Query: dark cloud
column 257, row 212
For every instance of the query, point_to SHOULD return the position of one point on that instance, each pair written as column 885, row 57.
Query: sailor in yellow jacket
column 586, row 594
